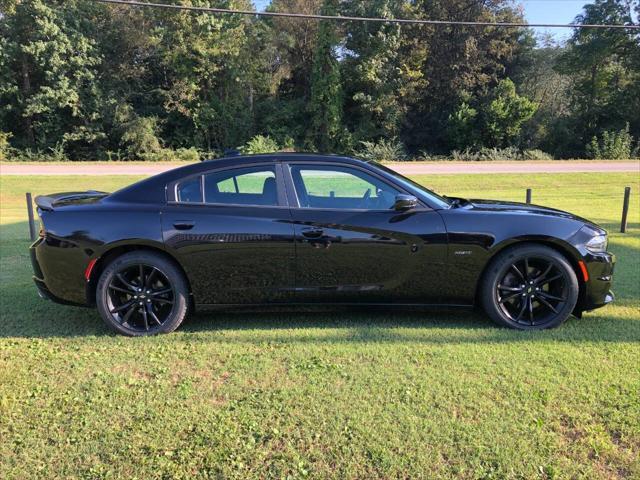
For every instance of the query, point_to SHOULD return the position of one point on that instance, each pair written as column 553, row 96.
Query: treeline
column 83, row 80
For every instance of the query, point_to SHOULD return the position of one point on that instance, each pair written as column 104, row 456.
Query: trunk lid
column 51, row 201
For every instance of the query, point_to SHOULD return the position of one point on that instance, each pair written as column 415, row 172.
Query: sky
column 536, row 11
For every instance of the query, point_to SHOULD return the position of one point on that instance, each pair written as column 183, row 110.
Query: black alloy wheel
column 140, row 297
column 142, row 293
column 530, row 287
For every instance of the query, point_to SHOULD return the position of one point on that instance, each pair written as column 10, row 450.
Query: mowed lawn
column 324, row 394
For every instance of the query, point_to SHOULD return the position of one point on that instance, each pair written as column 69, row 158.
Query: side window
column 242, row 186
column 341, row 188
column 190, row 190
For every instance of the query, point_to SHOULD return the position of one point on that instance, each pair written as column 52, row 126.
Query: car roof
column 286, row 156
column 152, row 190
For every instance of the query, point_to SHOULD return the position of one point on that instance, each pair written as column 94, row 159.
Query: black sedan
column 285, row 229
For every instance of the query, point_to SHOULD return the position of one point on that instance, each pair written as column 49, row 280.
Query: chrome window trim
column 291, row 185
column 275, row 167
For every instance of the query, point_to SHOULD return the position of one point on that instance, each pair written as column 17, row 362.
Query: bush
column 140, row 139
column 509, row 153
column 466, row 155
column 611, row 146
column 260, row 144
column 52, row 154
column 536, row 155
column 425, row 156
column 383, row 151
column 5, row 146
column 169, row 155
column 187, row 154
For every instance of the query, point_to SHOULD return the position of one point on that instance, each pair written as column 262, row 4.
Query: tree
column 463, row 127
column 91, row 81
column 448, row 64
column 325, row 106
column 289, row 45
column 505, row 114
column 603, row 67
column 540, row 81
column 202, row 77
column 47, row 75
column 372, row 71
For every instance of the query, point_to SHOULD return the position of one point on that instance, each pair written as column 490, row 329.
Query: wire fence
column 340, row 18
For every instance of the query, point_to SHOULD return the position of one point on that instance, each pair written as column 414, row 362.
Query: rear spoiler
column 48, row 202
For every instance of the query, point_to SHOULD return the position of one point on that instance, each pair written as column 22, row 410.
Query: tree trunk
column 26, row 90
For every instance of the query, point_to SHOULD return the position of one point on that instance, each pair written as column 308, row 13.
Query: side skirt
column 324, row 305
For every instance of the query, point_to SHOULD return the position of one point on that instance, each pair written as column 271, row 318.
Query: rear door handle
column 312, row 232
column 184, row 224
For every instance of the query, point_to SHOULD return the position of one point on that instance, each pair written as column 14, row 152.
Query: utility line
column 212, row 10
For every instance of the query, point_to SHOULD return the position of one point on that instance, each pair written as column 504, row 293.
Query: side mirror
column 405, row 202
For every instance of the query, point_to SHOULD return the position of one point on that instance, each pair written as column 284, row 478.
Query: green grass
column 339, row 394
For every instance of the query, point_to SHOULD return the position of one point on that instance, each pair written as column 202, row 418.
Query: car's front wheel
column 142, row 293
column 529, row 287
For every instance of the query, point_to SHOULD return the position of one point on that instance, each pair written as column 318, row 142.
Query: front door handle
column 183, row 224
column 312, row 232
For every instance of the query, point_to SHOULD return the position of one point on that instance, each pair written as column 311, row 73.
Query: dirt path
column 407, row 168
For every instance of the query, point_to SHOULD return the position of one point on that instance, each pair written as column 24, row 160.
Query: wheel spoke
column 144, row 317
column 149, row 281
column 126, row 283
column 124, row 306
column 517, row 270
column 524, row 307
column 154, row 317
column 526, row 268
column 548, row 296
column 162, row 300
column 160, row 292
column 141, row 273
column 545, row 303
column 127, row 315
column 544, row 281
column 509, row 289
column 123, row 290
column 542, row 276
column 509, row 297
column 529, row 303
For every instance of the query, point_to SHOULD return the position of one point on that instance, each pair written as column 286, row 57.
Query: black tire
column 142, row 293
column 529, row 287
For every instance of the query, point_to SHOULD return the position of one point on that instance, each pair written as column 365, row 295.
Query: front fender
column 474, row 238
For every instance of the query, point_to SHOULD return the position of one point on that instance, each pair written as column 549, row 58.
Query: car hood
column 522, row 209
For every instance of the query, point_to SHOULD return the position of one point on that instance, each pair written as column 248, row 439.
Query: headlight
column 597, row 244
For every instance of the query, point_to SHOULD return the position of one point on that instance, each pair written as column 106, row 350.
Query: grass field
column 324, row 394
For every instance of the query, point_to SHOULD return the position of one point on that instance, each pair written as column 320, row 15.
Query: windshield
column 437, row 200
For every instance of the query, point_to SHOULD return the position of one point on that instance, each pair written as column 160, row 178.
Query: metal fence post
column 528, row 195
column 625, row 209
column 32, row 225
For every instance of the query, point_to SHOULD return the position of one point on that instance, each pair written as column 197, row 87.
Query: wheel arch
column 560, row 246
column 116, row 251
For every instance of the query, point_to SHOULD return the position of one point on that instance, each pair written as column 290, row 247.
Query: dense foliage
column 83, row 80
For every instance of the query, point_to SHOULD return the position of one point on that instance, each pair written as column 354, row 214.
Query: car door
column 231, row 230
column 352, row 246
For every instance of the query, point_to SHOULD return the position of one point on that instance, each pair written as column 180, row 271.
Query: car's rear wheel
column 142, row 293
column 529, row 287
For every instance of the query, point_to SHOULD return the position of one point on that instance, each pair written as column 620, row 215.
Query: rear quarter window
column 190, row 190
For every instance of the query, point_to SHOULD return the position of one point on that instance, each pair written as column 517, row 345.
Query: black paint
column 432, row 254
